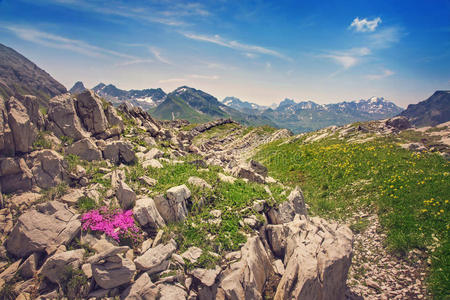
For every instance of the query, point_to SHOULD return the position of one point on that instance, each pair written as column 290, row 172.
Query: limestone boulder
column 24, row 131
column 90, row 111
column 63, row 119
column 287, row 210
column 156, row 259
column 199, row 182
column 245, row 279
column 399, row 123
column 86, row 149
column 51, row 224
column 258, row 168
column 147, row 214
column 109, row 275
column 55, row 266
column 125, row 195
column 142, row 288
column 16, row 175
column 48, row 168
column 247, row 173
column 119, row 151
column 317, row 256
column 173, row 207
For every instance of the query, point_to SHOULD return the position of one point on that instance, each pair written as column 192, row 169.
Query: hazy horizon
column 260, row 52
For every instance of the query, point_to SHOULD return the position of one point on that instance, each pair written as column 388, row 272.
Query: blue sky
column 259, row 51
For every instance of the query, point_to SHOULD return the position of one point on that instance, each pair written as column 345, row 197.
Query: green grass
column 85, row 204
column 409, row 191
column 196, row 230
column 41, row 142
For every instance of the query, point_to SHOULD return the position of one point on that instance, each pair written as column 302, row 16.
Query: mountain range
column 20, row 76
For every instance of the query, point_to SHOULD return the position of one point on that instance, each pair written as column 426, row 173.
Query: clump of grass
column 86, row 203
column 74, row 283
column 54, row 192
column 66, row 141
column 41, row 142
column 359, row 226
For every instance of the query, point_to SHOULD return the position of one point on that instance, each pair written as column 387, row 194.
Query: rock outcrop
column 246, row 278
column 317, row 256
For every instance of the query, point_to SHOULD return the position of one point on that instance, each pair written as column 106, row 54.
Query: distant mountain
column 77, row 88
column 309, row 116
column 146, row 98
column 243, row 106
column 197, row 106
column 18, row 75
column 430, row 112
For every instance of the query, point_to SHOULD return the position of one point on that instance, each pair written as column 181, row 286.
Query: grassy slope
column 409, row 191
column 180, row 109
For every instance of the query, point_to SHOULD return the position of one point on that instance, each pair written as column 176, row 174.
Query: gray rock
column 112, row 274
column 246, row 278
column 52, row 225
column 86, row 149
column 91, row 112
column 55, row 266
column 207, row 276
column 108, row 252
column 142, row 288
column 48, row 168
column 147, row 180
column 192, row 254
column 199, row 182
column 258, row 168
column 156, row 259
column 173, row 208
column 63, row 118
column 153, row 163
column 171, row 292
column 317, row 256
column 24, row 132
column 29, row 266
column 247, row 173
column 399, row 122
column 117, row 151
column 287, row 210
column 125, row 195
column 147, row 214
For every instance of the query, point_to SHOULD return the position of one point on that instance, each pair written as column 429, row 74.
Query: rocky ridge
column 51, row 163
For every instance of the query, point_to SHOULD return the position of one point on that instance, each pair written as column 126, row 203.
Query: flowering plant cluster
column 115, row 223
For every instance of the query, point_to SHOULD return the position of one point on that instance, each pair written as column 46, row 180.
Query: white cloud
column 344, row 60
column 385, row 73
column 218, row 40
column 208, row 77
column 59, row 42
column 134, row 62
column 364, row 25
column 158, row 56
column 348, row 58
column 172, row 14
column 385, row 38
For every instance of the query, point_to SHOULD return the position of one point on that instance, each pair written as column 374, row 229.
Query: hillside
column 20, row 76
column 309, row 116
column 430, row 112
column 197, row 106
